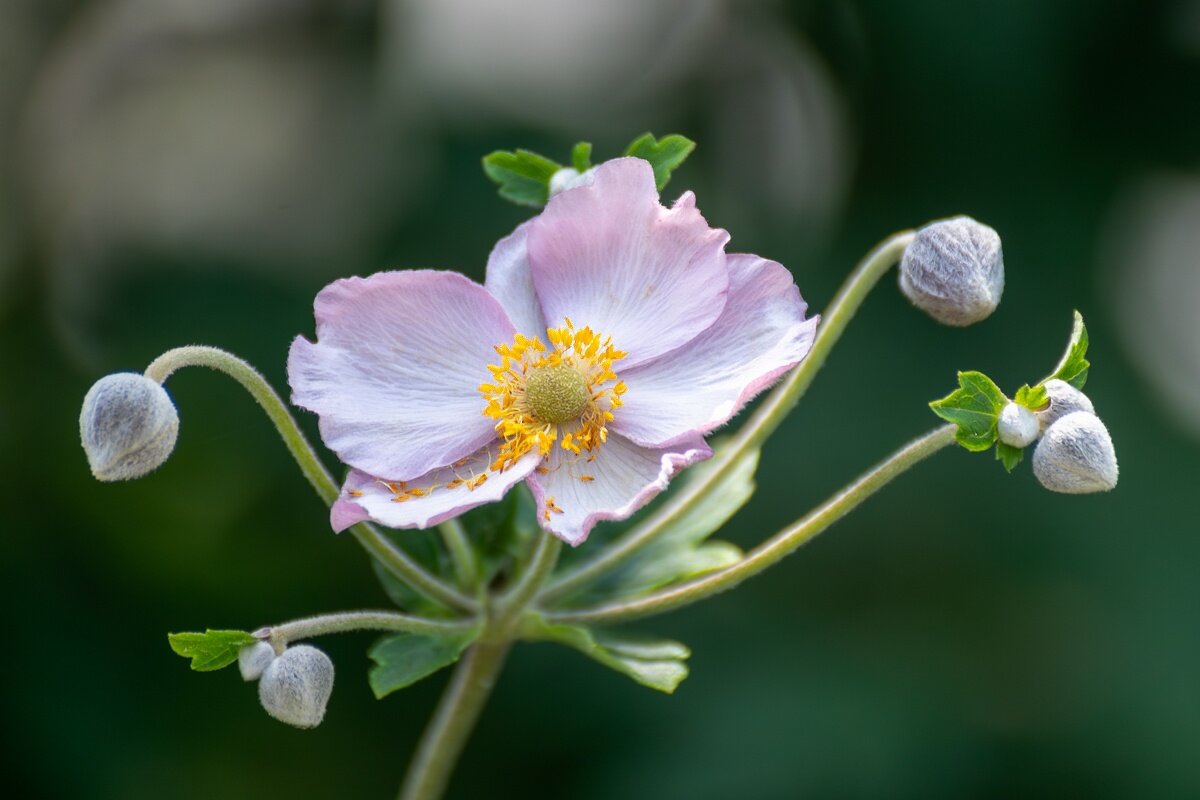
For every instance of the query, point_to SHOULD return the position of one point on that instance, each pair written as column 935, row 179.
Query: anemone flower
column 610, row 336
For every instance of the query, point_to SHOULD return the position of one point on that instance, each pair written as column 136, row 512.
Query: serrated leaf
column 1034, row 398
column 665, row 154
column 523, row 176
column 654, row 663
column 581, row 157
column 210, row 650
column 974, row 407
column 1008, row 455
column 402, row 659
column 1073, row 367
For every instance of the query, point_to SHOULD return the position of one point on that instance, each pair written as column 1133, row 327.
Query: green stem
column 463, row 701
column 455, row 536
column 397, row 561
column 774, row 549
column 452, row 723
column 347, row 621
column 774, row 408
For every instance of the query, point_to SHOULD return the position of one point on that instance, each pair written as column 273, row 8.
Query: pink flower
column 610, row 336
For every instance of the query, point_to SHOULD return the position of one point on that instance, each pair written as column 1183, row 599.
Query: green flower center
column 556, row 393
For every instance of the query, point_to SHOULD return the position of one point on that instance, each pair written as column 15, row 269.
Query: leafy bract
column 403, row 659
column 974, row 407
column 1073, row 367
column 210, row 650
column 1034, row 398
column 656, row 663
column 524, row 176
column 665, row 154
column 1008, row 455
column 581, row 157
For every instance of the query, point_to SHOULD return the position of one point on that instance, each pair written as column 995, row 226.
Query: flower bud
column 128, row 426
column 1064, row 399
column 1076, row 456
column 1017, row 426
column 254, row 658
column 569, row 178
column 954, row 271
column 296, row 686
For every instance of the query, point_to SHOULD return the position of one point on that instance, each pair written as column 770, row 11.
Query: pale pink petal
column 395, row 371
column 438, row 496
column 760, row 336
column 610, row 257
column 509, row 281
column 624, row 477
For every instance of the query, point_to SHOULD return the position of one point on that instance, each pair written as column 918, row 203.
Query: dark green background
column 965, row 634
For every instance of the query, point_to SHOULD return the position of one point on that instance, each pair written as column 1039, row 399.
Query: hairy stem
column 774, row 549
column 393, row 558
column 459, row 547
column 347, row 621
column 452, row 723
column 774, row 408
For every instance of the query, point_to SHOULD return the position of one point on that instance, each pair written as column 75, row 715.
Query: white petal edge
column 625, row 476
column 366, row 497
column 395, row 370
column 761, row 334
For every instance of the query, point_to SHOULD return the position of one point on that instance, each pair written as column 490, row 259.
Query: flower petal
column 509, row 281
column 623, row 478
column 609, row 256
column 432, row 498
column 760, row 336
column 395, row 369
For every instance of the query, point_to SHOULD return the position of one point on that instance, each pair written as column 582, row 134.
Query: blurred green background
column 193, row 172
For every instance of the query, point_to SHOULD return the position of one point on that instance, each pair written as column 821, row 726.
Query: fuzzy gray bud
column 1064, row 399
column 1017, row 426
column 253, row 659
column 569, row 178
column 954, row 271
column 295, row 687
column 1076, row 456
column 128, row 426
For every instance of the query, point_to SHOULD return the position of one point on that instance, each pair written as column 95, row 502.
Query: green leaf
column 1008, row 455
column 665, row 154
column 974, row 407
column 210, row 650
column 524, row 176
column 581, row 157
column 403, row 659
column 656, row 663
column 1073, row 368
column 1034, row 398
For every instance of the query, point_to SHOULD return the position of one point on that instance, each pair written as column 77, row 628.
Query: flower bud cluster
column 293, row 686
column 1075, row 454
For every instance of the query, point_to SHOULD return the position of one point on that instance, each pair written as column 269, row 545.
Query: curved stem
column 541, row 564
column 777, row 547
column 761, row 424
column 459, row 547
column 375, row 543
column 452, row 723
column 347, row 621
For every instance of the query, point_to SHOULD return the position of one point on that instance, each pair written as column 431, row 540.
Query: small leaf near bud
column 254, row 658
column 954, row 271
column 1076, row 456
column 295, row 687
column 128, row 426
column 1017, row 426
